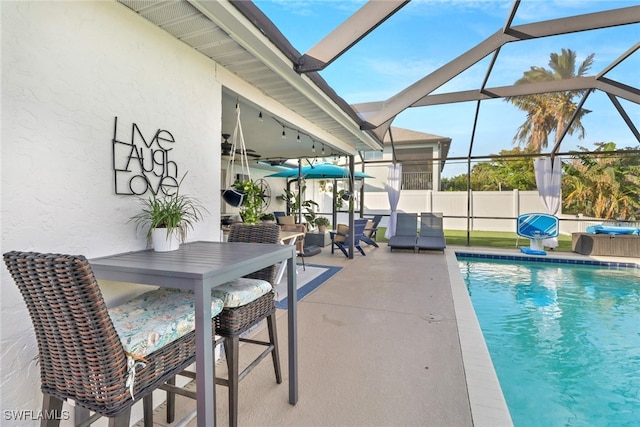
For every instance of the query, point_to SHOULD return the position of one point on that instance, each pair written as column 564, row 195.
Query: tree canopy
column 603, row 184
column 551, row 112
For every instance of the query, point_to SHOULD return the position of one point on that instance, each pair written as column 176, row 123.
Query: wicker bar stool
column 235, row 320
column 82, row 357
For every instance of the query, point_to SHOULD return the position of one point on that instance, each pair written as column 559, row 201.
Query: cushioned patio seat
column 431, row 235
column 406, row 232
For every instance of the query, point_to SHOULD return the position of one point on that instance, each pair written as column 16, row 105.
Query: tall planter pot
column 163, row 243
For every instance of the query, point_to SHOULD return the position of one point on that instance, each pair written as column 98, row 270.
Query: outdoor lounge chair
column 406, row 232
column 431, row 235
column 370, row 231
column 341, row 236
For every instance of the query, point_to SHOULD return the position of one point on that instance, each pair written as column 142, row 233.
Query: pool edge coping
column 486, row 400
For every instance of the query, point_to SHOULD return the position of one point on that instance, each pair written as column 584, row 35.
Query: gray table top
column 215, row 261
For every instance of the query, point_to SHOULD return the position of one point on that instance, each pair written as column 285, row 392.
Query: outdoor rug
column 308, row 281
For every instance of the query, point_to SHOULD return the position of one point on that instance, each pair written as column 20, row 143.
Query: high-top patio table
column 199, row 267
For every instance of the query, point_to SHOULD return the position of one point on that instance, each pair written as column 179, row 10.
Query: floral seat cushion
column 156, row 318
column 242, row 291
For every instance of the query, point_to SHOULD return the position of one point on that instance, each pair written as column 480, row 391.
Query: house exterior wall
column 68, row 69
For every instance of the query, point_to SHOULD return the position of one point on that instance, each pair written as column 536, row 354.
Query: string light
column 322, row 148
column 284, row 135
column 313, row 147
column 260, row 116
column 298, row 138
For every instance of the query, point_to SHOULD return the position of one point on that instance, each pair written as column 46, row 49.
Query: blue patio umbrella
column 322, row 171
column 319, row 171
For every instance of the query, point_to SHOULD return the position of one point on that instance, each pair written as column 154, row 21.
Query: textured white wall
column 68, row 68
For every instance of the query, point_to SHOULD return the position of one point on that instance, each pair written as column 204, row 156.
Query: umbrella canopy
column 319, row 171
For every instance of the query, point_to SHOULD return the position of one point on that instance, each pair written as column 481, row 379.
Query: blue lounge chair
column 537, row 227
column 340, row 237
column 370, row 231
column 406, row 232
column 431, row 235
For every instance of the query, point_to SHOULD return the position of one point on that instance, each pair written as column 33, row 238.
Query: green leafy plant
column 267, row 217
column 322, row 221
column 175, row 212
column 252, row 207
column 295, row 205
column 339, row 199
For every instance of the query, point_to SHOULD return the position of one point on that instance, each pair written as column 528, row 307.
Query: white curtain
column 394, row 182
column 549, row 180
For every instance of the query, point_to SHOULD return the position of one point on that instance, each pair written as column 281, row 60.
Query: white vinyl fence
column 488, row 210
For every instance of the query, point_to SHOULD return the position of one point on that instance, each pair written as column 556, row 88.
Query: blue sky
column 426, row 34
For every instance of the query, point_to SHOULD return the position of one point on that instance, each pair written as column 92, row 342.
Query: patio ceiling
column 219, row 31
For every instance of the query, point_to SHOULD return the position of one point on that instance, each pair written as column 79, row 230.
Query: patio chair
column 286, row 220
column 102, row 359
column 406, row 232
column 340, row 236
column 278, row 214
column 244, row 307
column 299, row 240
column 431, row 236
column 370, row 231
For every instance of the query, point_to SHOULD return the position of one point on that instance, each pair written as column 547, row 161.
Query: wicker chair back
column 81, row 355
column 257, row 233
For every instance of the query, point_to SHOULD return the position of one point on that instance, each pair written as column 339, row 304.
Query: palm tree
column 550, row 112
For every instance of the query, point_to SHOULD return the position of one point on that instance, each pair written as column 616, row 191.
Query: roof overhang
column 222, row 32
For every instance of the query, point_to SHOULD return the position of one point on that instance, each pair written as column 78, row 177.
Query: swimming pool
column 564, row 339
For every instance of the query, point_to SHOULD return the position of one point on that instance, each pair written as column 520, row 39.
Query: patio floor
column 380, row 344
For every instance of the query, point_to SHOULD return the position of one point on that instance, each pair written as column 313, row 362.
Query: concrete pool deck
column 390, row 340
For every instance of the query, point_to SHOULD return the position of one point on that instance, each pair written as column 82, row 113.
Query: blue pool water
column 564, row 339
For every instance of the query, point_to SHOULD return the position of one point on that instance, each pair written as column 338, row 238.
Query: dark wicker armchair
column 81, row 356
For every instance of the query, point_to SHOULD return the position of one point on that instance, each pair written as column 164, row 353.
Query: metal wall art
column 143, row 164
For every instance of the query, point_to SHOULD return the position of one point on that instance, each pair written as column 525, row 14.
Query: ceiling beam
column 356, row 27
column 576, row 83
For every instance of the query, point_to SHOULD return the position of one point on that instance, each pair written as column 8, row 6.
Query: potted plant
column 168, row 218
column 267, row 217
column 295, row 205
column 322, row 223
column 251, row 207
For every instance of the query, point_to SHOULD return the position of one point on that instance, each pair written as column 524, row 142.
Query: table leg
column 292, row 312
column 283, row 264
column 205, row 367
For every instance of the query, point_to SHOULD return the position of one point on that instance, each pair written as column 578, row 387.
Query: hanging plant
column 251, row 208
column 235, row 194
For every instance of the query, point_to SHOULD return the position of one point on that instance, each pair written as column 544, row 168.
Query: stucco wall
column 68, row 68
